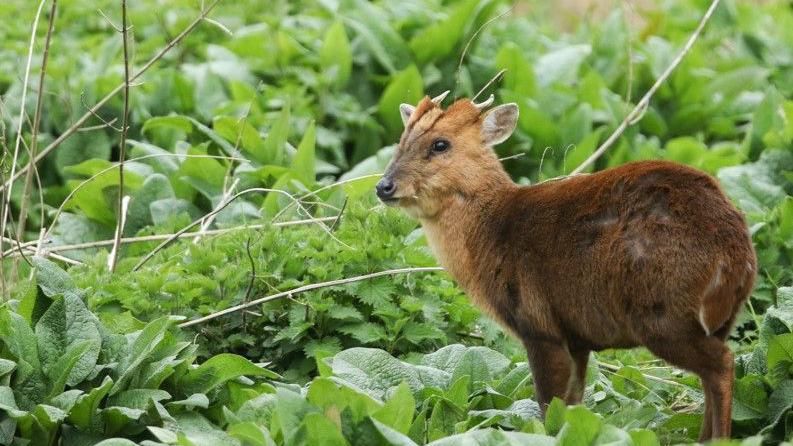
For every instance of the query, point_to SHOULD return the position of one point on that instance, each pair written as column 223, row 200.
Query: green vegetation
column 301, row 97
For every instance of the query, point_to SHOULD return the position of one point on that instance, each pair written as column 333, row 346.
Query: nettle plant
column 404, row 313
column 66, row 378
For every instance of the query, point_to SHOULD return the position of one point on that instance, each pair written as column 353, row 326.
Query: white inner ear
column 405, row 110
column 499, row 123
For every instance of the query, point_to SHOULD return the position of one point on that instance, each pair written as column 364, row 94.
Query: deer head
column 445, row 154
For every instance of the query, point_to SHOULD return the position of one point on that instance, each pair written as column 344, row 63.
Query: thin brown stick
column 305, row 288
column 34, row 244
column 34, row 131
column 77, row 124
column 471, row 40
column 74, row 191
column 641, row 106
column 8, row 194
column 120, row 214
column 167, row 241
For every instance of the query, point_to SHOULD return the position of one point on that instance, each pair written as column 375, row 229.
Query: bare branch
column 23, row 212
column 645, row 100
column 121, row 208
column 305, row 288
column 78, row 124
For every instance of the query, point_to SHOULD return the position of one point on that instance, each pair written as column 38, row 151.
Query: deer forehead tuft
column 428, row 115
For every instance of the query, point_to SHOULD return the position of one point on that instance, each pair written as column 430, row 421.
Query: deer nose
column 385, row 189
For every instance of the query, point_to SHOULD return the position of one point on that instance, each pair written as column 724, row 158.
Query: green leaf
column 581, row 427
column 275, row 143
column 365, row 332
column 197, row 430
column 780, row 401
column 445, row 415
column 144, row 342
column 66, row 329
column 52, row 280
column 405, row 86
column 335, row 56
column 175, row 122
column 240, row 132
column 316, row 429
column 84, row 410
column 375, row 371
column 398, row 410
column 440, row 39
column 304, row 160
column 116, row 442
column 290, row 410
column 750, row 398
column 493, row 437
column 780, row 348
column 555, row 416
column 219, row 369
column 251, row 434
column 372, row 432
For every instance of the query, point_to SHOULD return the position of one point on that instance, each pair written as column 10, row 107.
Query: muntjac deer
column 650, row 253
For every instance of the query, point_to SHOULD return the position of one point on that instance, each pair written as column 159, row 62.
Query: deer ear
column 405, row 110
column 499, row 123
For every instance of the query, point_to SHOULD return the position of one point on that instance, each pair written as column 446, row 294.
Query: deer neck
column 458, row 233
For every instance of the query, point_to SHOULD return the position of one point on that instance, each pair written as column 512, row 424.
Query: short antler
column 438, row 99
column 484, row 104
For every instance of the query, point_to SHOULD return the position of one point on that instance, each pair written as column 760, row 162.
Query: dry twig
column 305, row 288
column 641, row 106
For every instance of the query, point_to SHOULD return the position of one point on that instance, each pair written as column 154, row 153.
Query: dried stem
column 8, row 193
column 36, row 245
column 305, row 288
column 167, row 241
column 23, row 211
column 78, row 124
column 120, row 214
column 641, row 106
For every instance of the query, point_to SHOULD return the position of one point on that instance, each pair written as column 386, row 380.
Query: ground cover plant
column 252, row 146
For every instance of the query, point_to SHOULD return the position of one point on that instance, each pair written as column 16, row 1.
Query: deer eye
column 440, row 146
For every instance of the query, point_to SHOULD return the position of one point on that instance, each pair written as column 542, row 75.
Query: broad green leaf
column 29, row 382
column 8, row 403
column 304, row 160
column 405, row 86
column 440, row 39
column 335, row 56
column 142, row 344
column 65, row 325
column 219, row 369
column 780, row 401
column 198, row 431
column 375, row 371
column 317, row 429
column 581, row 427
column 519, row 77
column 138, row 398
column 240, row 133
column 83, row 412
column 52, row 279
column 332, row 397
column 290, row 410
column 372, row 432
column 445, row 415
column 780, row 348
column 398, row 410
column 750, row 398
column 493, row 437
column 274, row 147
column 116, row 442
column 176, row 122
column 644, row 437
column 555, row 416
column 251, row 433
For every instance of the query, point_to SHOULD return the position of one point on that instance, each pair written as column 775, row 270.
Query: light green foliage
column 304, row 93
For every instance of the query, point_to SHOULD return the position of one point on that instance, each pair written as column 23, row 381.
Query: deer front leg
column 551, row 367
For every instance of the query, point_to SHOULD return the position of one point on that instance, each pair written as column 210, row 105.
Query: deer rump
column 615, row 259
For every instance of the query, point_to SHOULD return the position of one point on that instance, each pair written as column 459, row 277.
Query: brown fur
column 650, row 253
